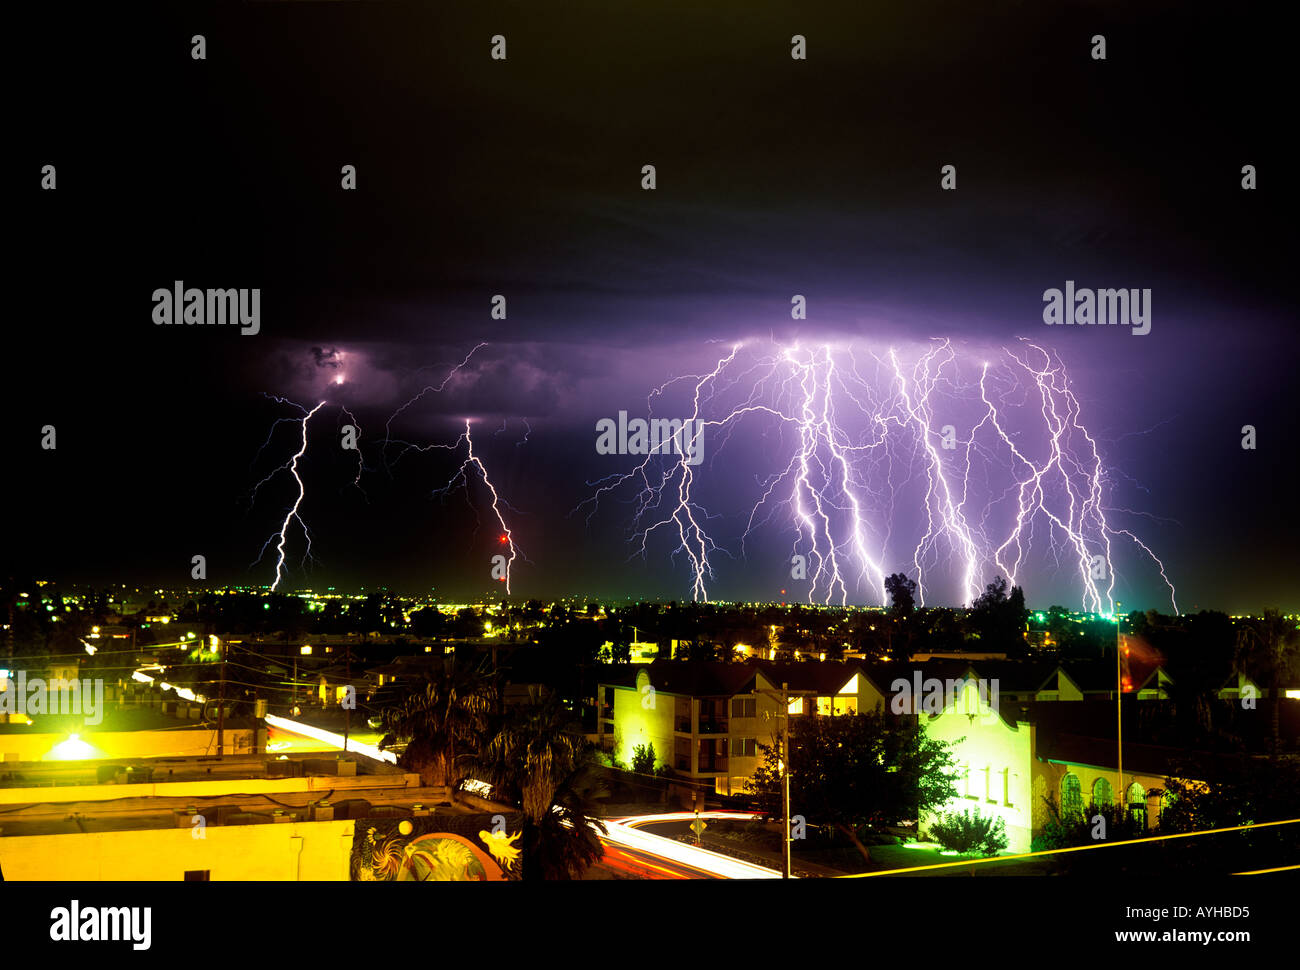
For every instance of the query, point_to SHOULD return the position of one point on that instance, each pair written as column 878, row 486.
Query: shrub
column 643, row 759
column 970, row 833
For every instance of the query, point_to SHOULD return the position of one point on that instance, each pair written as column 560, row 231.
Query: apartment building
column 706, row 720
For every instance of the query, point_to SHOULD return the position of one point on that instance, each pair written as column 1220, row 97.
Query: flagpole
column 1119, row 706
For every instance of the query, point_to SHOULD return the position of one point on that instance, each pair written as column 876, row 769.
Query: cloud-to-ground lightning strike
column 505, row 537
column 292, row 514
column 361, row 466
column 881, row 461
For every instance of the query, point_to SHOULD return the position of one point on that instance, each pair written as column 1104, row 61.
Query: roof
column 713, row 678
column 1098, row 676
column 691, row 678
column 826, row 677
column 1149, row 759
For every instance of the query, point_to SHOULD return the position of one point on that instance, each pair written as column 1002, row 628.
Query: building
column 243, row 817
column 1016, row 758
column 706, row 719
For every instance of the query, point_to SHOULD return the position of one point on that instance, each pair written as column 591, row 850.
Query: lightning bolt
column 429, row 388
column 356, row 482
column 1065, row 485
column 292, row 514
column 865, row 446
column 461, row 477
column 471, row 463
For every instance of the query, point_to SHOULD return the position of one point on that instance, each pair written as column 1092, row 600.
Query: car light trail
column 623, row 832
column 284, row 723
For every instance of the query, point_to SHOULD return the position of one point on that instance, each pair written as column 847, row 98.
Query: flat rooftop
column 54, row 798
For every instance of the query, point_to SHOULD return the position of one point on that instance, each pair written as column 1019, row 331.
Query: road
column 644, row 855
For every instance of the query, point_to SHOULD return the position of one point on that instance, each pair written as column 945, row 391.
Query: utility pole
column 347, row 711
column 783, row 699
column 785, row 781
column 221, row 705
column 1119, row 705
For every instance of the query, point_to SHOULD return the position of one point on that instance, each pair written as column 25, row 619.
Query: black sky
column 521, row 177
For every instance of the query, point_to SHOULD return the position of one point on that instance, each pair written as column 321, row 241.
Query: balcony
column 708, row 725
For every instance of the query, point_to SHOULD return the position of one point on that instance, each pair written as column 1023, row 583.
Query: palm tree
column 1266, row 650
column 533, row 755
column 440, row 720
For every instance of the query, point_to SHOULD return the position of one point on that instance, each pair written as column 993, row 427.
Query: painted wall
column 289, row 851
column 209, row 789
column 643, row 718
column 129, row 744
column 996, row 761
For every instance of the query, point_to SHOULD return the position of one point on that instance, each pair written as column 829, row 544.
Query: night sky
column 476, row 177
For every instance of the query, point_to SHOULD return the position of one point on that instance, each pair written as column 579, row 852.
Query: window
column 1137, row 804
column 744, row 707
column 1071, row 797
column 744, row 747
column 1102, row 794
column 198, row 875
column 1006, row 787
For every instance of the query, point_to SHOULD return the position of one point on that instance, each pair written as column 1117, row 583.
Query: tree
column 1267, row 651
column 1107, row 822
column 441, row 720
column 998, row 618
column 534, row 756
column 696, row 649
column 902, row 595
column 1237, row 790
column 856, row 771
column 428, row 623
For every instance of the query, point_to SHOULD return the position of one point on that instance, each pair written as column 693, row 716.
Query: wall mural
column 438, row 848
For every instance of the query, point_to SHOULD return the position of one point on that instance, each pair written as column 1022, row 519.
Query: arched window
column 1166, row 799
column 1102, row 794
column 1071, row 797
column 1137, row 804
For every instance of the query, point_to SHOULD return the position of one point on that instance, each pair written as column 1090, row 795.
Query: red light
column 504, row 538
column 782, row 592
